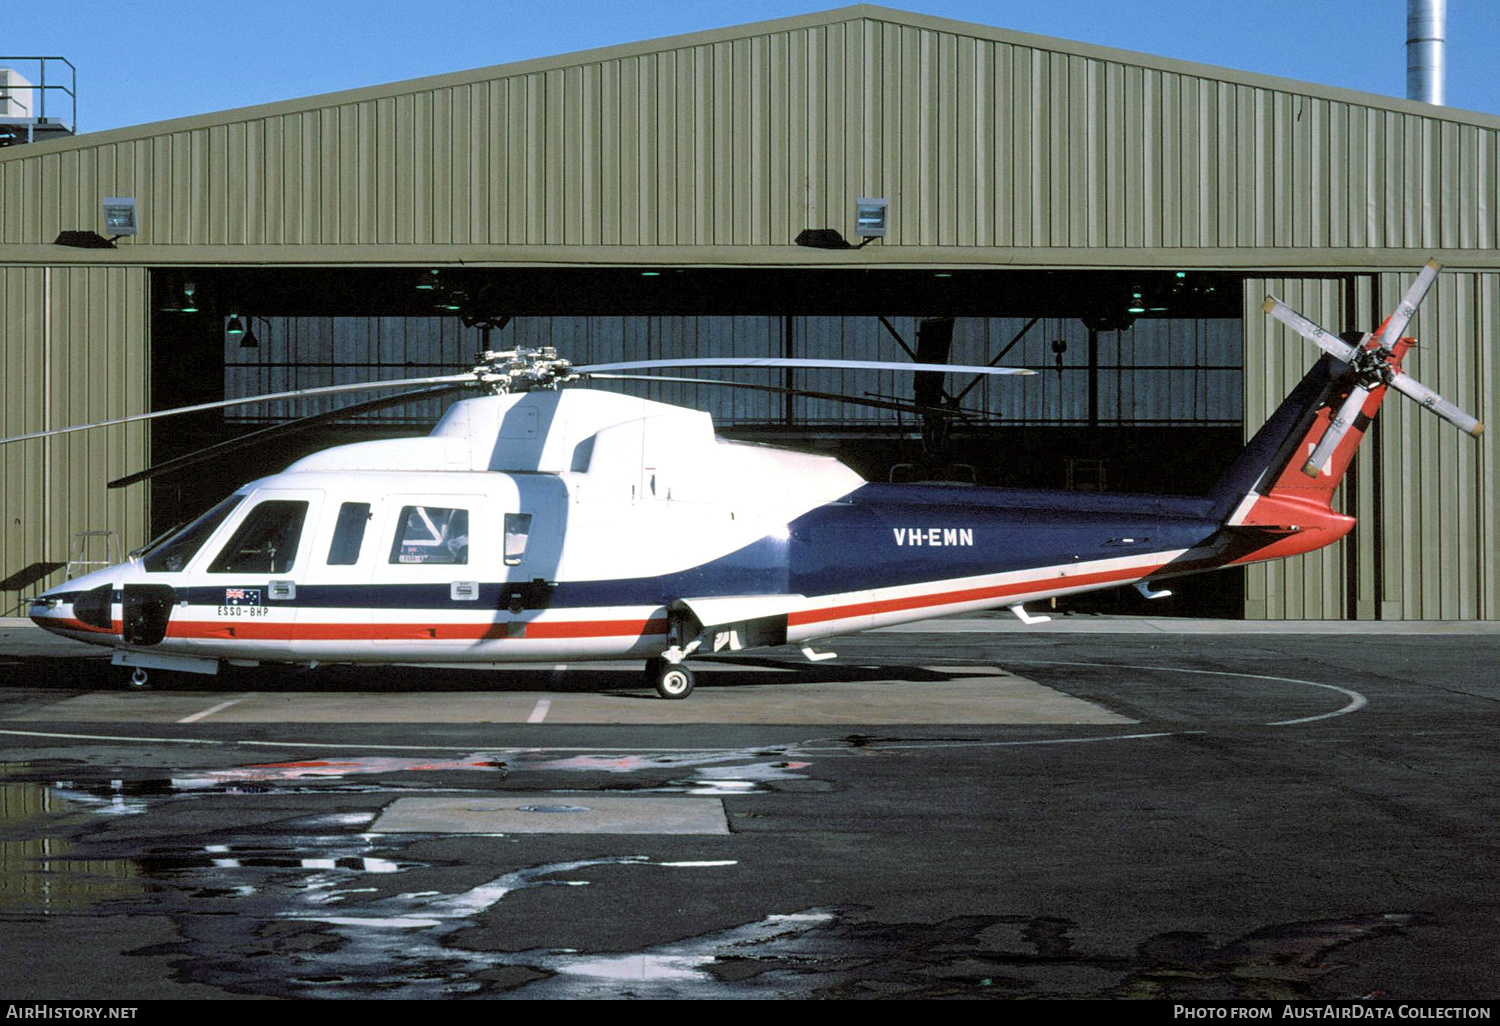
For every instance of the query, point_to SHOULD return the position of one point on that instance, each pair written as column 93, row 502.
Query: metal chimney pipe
column 1426, row 50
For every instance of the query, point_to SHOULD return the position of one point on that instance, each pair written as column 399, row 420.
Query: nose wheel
column 671, row 680
column 140, row 680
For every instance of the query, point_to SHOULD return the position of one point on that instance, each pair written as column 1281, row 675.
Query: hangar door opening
column 1138, row 388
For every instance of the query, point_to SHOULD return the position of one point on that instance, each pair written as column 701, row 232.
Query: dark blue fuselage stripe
column 880, row 536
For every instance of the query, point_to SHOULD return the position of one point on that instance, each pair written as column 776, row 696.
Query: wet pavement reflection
column 277, row 887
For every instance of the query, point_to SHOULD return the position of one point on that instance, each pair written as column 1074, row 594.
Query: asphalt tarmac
column 1093, row 808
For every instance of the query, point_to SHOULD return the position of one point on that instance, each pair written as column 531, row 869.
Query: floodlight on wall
column 871, row 216
column 120, row 216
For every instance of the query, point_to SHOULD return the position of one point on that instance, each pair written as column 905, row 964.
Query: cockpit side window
column 266, row 542
column 431, row 534
column 174, row 552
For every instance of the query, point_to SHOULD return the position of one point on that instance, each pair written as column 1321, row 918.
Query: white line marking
column 209, row 712
column 114, row 737
column 522, row 750
column 1356, row 700
column 540, row 712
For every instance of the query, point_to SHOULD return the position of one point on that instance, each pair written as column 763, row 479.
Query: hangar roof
column 994, row 148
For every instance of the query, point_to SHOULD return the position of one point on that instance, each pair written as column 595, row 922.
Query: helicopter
column 545, row 521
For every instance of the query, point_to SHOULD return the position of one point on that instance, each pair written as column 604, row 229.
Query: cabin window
column 266, row 542
column 349, row 534
column 172, row 553
column 431, row 534
column 517, row 531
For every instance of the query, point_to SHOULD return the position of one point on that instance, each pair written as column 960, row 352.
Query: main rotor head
column 507, row 371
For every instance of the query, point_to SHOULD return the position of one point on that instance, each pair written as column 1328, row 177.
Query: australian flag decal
column 242, row 596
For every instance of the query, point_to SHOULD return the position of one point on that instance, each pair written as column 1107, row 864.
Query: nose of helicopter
column 83, row 607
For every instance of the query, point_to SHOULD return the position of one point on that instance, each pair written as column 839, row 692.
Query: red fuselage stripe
column 945, row 598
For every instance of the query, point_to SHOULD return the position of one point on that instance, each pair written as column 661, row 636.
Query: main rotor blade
column 1396, row 323
column 786, row 361
column 366, row 386
column 879, row 404
column 1409, row 386
column 1326, row 341
column 266, row 433
column 1338, row 427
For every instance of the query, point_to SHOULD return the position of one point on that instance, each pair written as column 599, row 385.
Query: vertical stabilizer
column 1275, row 487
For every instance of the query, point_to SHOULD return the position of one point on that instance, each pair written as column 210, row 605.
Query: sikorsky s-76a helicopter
column 541, row 522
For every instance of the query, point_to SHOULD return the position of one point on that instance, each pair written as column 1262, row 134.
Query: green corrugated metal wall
column 73, row 349
column 737, row 140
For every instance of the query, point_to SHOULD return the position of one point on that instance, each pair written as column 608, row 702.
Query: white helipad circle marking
column 1356, row 700
column 1009, row 744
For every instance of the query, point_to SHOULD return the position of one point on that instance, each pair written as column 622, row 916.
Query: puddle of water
column 302, row 769
column 714, row 773
column 39, row 870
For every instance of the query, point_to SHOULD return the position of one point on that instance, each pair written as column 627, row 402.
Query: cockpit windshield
column 174, row 552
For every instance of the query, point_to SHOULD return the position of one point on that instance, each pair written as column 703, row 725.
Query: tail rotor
column 1373, row 363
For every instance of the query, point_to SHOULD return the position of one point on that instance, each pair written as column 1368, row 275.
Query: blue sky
column 149, row 60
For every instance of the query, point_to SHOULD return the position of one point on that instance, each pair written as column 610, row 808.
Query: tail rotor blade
column 1371, row 362
column 1402, row 315
column 1411, row 387
column 1326, row 341
column 1338, row 427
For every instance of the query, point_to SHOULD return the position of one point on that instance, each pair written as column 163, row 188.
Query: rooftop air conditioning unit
column 16, row 95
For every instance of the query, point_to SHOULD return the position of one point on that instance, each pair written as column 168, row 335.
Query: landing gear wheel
column 671, row 680
column 140, row 680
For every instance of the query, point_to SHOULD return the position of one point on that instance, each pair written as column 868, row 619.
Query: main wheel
column 672, row 680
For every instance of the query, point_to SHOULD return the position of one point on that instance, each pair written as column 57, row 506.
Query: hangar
column 1110, row 218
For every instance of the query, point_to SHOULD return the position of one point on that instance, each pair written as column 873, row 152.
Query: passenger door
column 336, row 603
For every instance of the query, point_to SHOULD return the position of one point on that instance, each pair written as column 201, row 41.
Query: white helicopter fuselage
column 576, row 525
